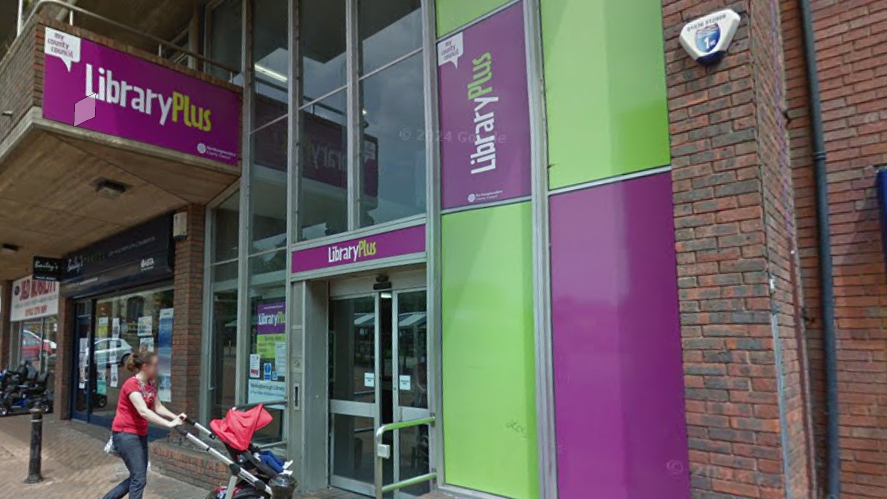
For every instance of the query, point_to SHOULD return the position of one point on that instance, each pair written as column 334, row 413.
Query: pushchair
column 255, row 474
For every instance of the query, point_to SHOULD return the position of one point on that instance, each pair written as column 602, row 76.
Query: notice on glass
column 115, row 376
column 147, row 343
column 369, row 380
column 164, row 355
column 101, row 382
column 115, row 327
column 102, row 327
column 405, row 383
column 146, row 325
column 280, row 356
column 255, row 366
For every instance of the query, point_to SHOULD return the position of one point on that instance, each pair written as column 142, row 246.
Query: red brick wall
column 5, row 325
column 733, row 203
column 64, row 381
column 18, row 79
column 851, row 60
column 188, row 321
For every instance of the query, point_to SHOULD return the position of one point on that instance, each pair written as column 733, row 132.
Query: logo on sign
column 147, row 264
column 201, row 148
column 708, row 37
column 352, row 253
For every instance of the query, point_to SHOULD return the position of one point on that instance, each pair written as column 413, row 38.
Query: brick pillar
column 65, row 382
column 188, row 318
column 5, row 325
column 735, row 230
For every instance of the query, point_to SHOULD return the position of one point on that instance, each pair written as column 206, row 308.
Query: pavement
column 76, row 467
column 74, row 464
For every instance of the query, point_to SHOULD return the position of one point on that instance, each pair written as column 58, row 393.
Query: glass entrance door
column 378, row 358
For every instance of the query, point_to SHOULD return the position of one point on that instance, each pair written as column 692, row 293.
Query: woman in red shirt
column 138, row 405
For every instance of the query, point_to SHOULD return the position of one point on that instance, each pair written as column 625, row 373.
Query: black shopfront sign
column 48, row 269
column 135, row 256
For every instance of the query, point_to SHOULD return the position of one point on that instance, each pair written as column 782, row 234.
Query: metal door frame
column 398, row 413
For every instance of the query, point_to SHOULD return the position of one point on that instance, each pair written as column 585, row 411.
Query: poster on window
column 115, row 375
column 164, row 355
column 147, row 344
column 484, row 112
column 271, row 338
column 101, row 386
column 146, row 325
column 115, row 327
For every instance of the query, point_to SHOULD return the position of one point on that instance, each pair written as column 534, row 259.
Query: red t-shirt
column 128, row 419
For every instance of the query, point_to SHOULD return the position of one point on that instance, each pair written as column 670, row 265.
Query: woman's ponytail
column 139, row 358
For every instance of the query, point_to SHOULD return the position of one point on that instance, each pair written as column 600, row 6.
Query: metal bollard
column 34, row 475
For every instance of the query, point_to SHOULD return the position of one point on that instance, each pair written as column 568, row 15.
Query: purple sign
column 408, row 241
column 485, row 112
column 271, row 318
column 139, row 100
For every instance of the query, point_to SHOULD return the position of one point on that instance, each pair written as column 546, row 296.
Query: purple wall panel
column 621, row 432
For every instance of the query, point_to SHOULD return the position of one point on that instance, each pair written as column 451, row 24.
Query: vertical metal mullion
column 243, row 313
column 377, row 347
column 294, row 166
column 432, row 236
column 206, row 367
column 352, row 61
column 546, row 437
column 395, row 384
column 294, row 88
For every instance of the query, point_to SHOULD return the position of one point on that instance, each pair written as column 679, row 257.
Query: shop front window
column 37, row 346
column 268, row 364
column 124, row 324
column 225, row 25
column 376, row 173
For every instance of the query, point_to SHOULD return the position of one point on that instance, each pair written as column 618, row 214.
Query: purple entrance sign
column 271, row 318
column 484, row 112
column 139, row 100
column 402, row 242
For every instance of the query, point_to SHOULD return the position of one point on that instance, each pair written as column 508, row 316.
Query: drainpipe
column 833, row 449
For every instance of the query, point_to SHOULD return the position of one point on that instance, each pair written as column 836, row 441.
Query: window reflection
column 271, row 59
column 322, row 47
column 388, row 29
column 393, row 152
column 323, row 200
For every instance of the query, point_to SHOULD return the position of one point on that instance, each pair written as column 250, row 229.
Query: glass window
column 268, row 355
column 31, row 341
column 123, row 324
column 322, row 47
column 225, row 39
column 268, row 196
column 223, row 352
column 271, row 58
column 323, row 199
column 48, row 357
column 388, row 30
column 393, row 161
column 226, row 229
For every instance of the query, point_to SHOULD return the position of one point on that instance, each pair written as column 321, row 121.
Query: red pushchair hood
column 238, row 427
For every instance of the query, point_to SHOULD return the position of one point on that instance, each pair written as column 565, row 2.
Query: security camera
column 708, row 38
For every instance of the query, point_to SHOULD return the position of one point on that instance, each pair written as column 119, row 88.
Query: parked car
column 110, row 351
column 32, row 344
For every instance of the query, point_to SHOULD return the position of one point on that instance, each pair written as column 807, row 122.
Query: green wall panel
column 489, row 415
column 605, row 88
column 453, row 14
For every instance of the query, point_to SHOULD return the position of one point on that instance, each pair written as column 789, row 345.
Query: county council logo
column 201, row 148
column 471, row 198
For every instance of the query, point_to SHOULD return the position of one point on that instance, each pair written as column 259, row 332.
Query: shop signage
column 485, row 112
column 402, row 242
column 32, row 299
column 139, row 100
column 135, row 255
column 48, row 269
